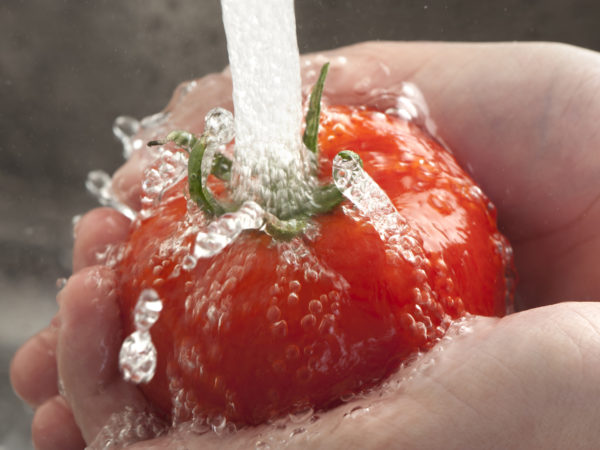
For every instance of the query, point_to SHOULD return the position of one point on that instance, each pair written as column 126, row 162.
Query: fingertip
column 54, row 427
column 94, row 232
column 33, row 372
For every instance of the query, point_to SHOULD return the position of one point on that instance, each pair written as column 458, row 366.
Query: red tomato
column 268, row 327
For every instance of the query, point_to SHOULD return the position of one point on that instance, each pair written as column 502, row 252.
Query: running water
column 271, row 165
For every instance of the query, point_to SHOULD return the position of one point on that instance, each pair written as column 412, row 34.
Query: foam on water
column 271, row 163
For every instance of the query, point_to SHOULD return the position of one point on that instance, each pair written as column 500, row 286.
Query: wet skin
column 523, row 119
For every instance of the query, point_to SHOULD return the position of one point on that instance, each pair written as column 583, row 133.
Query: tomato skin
column 265, row 328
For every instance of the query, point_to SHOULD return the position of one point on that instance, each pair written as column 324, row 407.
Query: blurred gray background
column 69, row 67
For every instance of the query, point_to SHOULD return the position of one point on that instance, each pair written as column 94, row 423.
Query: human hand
column 520, row 117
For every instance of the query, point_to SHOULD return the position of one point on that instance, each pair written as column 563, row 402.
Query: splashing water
column 137, row 358
column 272, row 166
column 223, row 231
column 125, row 128
column 372, row 201
column 99, row 184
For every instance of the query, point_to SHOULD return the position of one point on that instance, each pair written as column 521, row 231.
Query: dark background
column 69, row 67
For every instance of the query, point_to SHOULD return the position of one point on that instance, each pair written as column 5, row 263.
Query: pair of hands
column 522, row 118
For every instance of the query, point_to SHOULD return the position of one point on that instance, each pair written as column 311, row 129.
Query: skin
column 523, row 119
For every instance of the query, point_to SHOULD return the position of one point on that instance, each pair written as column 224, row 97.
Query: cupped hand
column 521, row 118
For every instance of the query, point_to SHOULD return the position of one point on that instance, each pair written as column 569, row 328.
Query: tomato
column 272, row 326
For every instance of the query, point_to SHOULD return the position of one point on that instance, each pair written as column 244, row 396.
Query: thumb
column 87, row 356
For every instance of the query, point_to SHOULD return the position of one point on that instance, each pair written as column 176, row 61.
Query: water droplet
column 137, row 358
column 61, row 283
column 293, row 298
column 315, row 306
column 189, row 262
column 273, row 313
column 125, row 128
column 147, row 309
column 224, row 230
column 218, row 124
column 297, row 431
column 292, row 352
column 295, row 286
column 327, row 323
column 348, row 397
column 280, row 328
column 99, row 184
column 302, row 415
column 308, row 322
column 74, row 222
column 218, row 424
column 373, row 203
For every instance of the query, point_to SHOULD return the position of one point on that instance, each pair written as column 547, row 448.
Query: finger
column 525, row 381
column 87, row 352
column 54, row 427
column 33, row 372
column 95, row 232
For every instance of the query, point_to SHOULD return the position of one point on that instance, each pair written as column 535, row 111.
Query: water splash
column 372, row 201
column 99, row 184
column 137, row 358
column 224, row 230
column 126, row 428
column 125, row 128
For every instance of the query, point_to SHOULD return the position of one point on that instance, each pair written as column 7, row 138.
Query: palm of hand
column 527, row 136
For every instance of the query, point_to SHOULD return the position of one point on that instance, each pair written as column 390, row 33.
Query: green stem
column 311, row 133
column 323, row 200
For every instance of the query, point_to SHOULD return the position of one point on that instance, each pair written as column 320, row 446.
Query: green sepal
column 325, row 198
column 349, row 154
column 221, row 167
column 199, row 192
column 285, row 230
column 311, row 132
